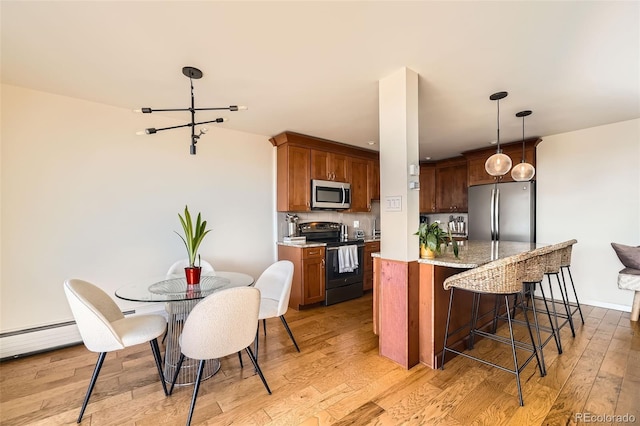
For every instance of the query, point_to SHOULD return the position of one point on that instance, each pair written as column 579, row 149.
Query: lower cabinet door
column 313, row 280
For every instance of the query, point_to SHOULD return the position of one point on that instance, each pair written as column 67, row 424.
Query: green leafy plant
column 192, row 235
column 432, row 237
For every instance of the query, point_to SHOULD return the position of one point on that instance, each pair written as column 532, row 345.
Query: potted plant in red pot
column 193, row 236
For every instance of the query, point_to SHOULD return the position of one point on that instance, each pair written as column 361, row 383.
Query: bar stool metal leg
column 574, row 289
column 555, row 330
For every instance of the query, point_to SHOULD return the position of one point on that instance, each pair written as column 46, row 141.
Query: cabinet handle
column 323, row 263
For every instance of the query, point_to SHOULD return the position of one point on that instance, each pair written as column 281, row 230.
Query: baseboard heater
column 29, row 341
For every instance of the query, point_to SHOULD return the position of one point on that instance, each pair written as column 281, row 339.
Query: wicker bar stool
column 565, row 264
column 501, row 278
column 552, row 261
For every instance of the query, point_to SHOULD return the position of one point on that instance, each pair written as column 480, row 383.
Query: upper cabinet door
column 374, row 179
column 329, row 166
column 294, row 179
column 427, row 188
column 451, row 187
column 360, row 201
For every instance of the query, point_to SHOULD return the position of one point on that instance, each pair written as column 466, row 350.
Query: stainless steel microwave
column 330, row 195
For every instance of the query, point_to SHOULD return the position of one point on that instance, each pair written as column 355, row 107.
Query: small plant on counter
column 192, row 235
column 431, row 237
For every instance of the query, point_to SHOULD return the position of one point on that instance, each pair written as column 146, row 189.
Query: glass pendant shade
column 498, row 164
column 523, row 172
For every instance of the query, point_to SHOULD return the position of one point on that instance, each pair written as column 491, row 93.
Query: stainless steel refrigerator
column 503, row 212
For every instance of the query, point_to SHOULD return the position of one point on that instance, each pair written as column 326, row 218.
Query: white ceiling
column 314, row 67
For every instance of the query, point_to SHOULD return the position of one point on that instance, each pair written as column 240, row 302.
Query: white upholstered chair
column 104, row 328
column 178, row 269
column 275, row 289
column 221, row 324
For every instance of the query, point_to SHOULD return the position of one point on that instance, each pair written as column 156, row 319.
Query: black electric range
column 342, row 282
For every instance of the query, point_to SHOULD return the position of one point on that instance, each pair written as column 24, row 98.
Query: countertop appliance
column 330, row 195
column 339, row 286
column 502, row 212
column 292, row 225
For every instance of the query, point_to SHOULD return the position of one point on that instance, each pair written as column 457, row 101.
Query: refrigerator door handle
column 497, row 213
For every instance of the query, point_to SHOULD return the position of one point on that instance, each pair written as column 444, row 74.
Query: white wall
column 588, row 188
column 84, row 197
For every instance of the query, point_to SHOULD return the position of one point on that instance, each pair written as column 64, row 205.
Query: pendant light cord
column 523, row 138
column 498, row 127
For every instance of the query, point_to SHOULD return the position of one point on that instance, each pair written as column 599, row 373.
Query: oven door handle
column 336, row 248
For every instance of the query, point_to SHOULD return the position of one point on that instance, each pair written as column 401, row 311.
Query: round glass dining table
column 180, row 299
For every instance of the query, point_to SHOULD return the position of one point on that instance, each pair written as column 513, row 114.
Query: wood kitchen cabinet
column 360, row 197
column 293, row 179
column 308, row 286
column 369, row 247
column 329, row 166
column 374, row 180
column 451, row 185
column 301, row 158
column 476, row 158
column 428, row 188
column 443, row 186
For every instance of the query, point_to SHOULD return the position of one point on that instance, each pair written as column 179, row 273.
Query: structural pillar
column 400, row 214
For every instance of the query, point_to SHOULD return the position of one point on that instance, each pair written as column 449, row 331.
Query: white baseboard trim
column 20, row 343
column 613, row 306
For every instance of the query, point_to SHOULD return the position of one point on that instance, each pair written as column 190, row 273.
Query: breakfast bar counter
column 410, row 317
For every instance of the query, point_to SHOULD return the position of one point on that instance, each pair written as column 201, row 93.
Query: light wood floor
column 337, row 379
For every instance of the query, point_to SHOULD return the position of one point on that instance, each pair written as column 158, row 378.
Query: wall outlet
column 356, row 223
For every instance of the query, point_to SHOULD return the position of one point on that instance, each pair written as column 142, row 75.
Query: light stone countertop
column 474, row 253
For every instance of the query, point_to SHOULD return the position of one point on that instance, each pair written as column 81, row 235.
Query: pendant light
column 498, row 164
column 524, row 171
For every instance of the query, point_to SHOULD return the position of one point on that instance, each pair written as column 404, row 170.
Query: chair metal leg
column 196, row 387
column 513, row 350
column 286, row 326
column 530, row 289
column 240, row 358
column 446, row 330
column 574, row 289
column 166, row 331
column 264, row 326
column 254, row 360
column 554, row 329
column 156, row 355
column 255, row 343
column 175, row 375
column 475, row 306
column 92, row 383
column 537, row 348
column 565, row 302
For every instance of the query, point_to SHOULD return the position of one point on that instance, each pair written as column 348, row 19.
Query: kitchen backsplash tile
column 366, row 220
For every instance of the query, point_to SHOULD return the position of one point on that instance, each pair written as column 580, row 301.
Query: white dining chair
column 221, row 324
column 104, row 328
column 275, row 289
column 178, row 269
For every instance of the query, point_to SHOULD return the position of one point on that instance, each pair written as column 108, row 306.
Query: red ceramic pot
column 193, row 274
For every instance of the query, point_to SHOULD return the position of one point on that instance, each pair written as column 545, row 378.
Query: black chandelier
column 192, row 73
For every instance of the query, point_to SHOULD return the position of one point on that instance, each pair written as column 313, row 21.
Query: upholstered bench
column 629, row 277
